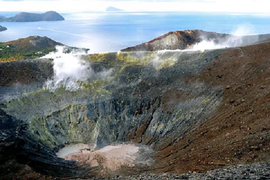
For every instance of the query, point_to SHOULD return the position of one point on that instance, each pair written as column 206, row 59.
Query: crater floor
column 110, row 158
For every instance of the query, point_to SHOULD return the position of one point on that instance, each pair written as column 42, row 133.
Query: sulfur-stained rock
column 172, row 102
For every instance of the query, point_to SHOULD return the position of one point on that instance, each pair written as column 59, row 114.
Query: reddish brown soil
column 184, row 39
column 188, row 34
column 239, row 129
column 172, row 97
column 33, row 43
column 21, row 73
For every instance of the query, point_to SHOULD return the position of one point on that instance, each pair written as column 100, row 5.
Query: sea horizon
column 113, row 31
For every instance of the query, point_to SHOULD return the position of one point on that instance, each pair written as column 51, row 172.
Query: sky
column 64, row 6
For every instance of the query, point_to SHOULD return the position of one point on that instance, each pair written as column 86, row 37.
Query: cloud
column 239, row 6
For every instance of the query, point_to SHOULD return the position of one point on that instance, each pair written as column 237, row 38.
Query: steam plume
column 69, row 69
column 238, row 38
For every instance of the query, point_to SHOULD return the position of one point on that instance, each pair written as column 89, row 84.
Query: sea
column 113, row 31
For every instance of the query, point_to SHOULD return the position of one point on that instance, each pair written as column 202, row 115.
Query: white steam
column 205, row 44
column 235, row 40
column 69, row 69
column 243, row 30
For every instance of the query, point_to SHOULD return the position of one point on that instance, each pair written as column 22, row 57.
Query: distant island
column 2, row 28
column 33, row 17
column 113, row 9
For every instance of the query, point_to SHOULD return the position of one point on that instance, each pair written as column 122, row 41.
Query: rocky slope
column 254, row 171
column 33, row 17
column 180, row 40
column 2, row 28
column 197, row 110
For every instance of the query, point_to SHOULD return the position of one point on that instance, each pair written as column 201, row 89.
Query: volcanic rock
column 181, row 40
column 174, row 102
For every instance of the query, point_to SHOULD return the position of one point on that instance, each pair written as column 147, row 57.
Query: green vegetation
column 26, row 48
column 9, row 52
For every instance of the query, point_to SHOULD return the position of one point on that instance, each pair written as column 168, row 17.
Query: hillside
column 177, row 40
column 33, row 17
column 181, row 40
column 26, row 48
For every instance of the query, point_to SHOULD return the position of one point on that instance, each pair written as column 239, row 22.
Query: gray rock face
column 177, row 40
column 181, row 40
column 2, row 28
column 33, row 17
column 254, row 171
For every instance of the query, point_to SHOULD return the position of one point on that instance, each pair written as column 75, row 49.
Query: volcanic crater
column 138, row 112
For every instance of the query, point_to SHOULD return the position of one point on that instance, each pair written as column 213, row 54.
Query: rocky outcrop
column 181, row 40
column 254, row 171
column 177, row 40
column 197, row 110
column 2, row 28
column 33, row 17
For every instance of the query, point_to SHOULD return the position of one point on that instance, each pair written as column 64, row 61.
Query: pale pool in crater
column 111, row 157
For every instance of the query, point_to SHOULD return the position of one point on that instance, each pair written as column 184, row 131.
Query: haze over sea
column 108, row 32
